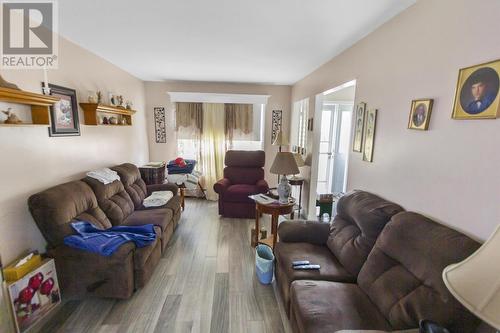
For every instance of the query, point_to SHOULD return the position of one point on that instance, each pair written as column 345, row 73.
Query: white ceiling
column 258, row 41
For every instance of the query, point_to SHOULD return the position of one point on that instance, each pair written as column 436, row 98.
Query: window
column 299, row 125
column 188, row 145
column 254, row 140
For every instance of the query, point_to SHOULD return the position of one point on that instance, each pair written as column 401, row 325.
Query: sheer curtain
column 213, row 146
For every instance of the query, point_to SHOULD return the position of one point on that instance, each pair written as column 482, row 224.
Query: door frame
column 318, row 108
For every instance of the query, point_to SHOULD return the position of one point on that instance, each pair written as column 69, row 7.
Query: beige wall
column 31, row 161
column 450, row 172
column 156, row 95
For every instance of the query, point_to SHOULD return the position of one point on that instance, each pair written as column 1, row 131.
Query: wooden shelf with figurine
column 106, row 115
column 39, row 104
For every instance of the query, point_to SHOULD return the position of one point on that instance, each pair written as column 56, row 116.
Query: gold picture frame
column 420, row 114
column 359, row 123
column 369, row 134
column 477, row 95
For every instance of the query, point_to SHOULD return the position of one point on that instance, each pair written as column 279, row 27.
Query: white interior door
column 334, row 147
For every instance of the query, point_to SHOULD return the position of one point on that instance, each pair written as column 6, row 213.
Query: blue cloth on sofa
column 175, row 169
column 106, row 242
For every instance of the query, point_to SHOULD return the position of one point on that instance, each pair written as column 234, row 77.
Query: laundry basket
column 264, row 263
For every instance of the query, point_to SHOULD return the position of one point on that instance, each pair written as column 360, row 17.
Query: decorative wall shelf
column 39, row 104
column 92, row 112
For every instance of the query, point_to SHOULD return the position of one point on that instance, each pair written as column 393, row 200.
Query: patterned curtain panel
column 213, row 147
column 189, row 115
column 239, row 118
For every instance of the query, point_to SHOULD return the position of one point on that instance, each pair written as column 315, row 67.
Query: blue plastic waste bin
column 264, row 263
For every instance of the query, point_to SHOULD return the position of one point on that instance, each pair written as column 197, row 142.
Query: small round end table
column 275, row 210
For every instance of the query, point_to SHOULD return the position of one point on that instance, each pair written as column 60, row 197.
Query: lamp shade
column 284, row 164
column 280, row 140
column 475, row 282
column 299, row 160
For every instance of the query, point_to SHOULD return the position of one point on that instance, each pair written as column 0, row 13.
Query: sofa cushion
column 245, row 158
column 240, row 193
column 331, row 269
column 286, row 253
column 324, row 306
column 135, row 186
column 55, row 208
column 160, row 217
column 403, row 273
column 361, row 216
column 112, row 198
column 238, row 175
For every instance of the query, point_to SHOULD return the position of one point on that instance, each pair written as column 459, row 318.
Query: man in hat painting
column 481, row 93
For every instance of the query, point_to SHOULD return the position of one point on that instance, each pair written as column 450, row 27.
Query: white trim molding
column 194, row 97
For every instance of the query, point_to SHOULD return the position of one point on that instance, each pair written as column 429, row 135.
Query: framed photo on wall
column 477, row 95
column 64, row 114
column 420, row 114
column 369, row 136
column 358, row 127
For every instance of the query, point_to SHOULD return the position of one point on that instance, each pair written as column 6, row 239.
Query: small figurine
column 99, row 97
column 92, row 98
column 120, row 100
column 128, row 105
column 105, row 121
column 11, row 117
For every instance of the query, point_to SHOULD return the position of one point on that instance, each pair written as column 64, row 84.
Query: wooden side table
column 275, row 210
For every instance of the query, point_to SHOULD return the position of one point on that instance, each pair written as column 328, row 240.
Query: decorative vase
column 284, row 190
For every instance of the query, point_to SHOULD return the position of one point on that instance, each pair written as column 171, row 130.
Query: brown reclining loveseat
column 397, row 285
column 83, row 273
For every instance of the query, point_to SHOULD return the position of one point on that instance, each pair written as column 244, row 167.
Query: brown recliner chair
column 243, row 176
column 341, row 249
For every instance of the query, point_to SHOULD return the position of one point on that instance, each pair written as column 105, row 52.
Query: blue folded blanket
column 175, row 169
column 106, row 242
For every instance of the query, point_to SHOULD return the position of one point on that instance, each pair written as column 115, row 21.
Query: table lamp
column 280, row 140
column 475, row 282
column 284, row 164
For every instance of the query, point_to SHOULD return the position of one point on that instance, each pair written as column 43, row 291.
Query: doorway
column 333, row 118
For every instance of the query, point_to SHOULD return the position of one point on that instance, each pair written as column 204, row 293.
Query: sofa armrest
column 313, row 232
column 221, row 186
column 262, row 186
column 163, row 187
column 82, row 273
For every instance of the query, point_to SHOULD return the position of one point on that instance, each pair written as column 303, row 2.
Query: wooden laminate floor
column 205, row 282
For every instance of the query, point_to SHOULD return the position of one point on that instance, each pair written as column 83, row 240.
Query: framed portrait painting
column 420, row 114
column 477, row 95
column 359, row 122
column 369, row 136
column 64, row 114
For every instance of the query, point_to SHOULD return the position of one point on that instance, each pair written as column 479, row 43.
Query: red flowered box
column 35, row 295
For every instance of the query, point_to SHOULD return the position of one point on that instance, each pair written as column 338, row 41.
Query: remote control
column 300, row 262
column 307, row 267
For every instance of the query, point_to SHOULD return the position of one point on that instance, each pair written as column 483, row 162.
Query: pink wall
column 31, row 161
column 450, row 172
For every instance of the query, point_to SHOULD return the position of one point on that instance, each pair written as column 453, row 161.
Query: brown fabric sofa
column 84, row 273
column 399, row 284
column 341, row 249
